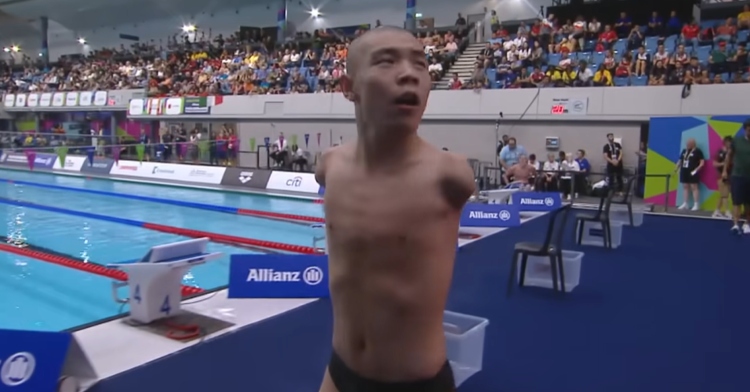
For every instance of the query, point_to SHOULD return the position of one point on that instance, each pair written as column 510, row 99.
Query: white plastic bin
column 592, row 234
column 539, row 270
column 464, row 339
column 623, row 217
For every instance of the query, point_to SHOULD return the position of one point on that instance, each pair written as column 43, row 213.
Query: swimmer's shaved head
column 358, row 47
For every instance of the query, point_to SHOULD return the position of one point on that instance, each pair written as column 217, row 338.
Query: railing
column 490, row 178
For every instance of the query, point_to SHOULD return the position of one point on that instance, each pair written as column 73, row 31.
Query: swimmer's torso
column 391, row 245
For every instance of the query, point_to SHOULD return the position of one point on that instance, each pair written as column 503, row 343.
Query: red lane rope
column 231, row 239
column 278, row 215
column 91, row 268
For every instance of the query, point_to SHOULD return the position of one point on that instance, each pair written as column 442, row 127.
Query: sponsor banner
column 570, row 106
column 196, row 105
column 32, row 361
column 173, row 106
column 100, row 98
column 247, row 178
column 169, row 171
column 72, row 163
column 58, row 99
column 20, row 100
column 137, row 107
column 41, row 161
column 293, row 182
column 9, row 100
column 490, row 215
column 155, row 106
column 278, row 276
column 536, row 201
column 32, row 100
column 86, row 98
column 100, row 165
column 45, row 99
column 71, row 99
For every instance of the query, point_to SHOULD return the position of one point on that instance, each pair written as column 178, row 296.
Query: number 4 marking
column 165, row 307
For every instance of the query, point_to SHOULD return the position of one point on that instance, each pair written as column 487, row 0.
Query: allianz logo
column 503, row 215
column 311, row 276
column 547, row 201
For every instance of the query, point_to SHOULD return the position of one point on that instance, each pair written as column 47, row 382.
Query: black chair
column 552, row 248
column 627, row 197
column 601, row 216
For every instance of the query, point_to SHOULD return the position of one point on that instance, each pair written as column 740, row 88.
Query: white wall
column 473, row 139
column 335, row 13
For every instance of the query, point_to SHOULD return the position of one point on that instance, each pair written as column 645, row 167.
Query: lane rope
column 92, row 268
column 215, row 237
column 189, row 204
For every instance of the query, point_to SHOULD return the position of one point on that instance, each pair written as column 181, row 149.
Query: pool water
column 46, row 297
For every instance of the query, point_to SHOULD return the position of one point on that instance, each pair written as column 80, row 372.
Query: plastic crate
column 464, row 339
column 592, row 234
column 539, row 270
column 623, row 217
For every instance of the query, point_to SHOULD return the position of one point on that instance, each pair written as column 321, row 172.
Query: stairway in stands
column 464, row 65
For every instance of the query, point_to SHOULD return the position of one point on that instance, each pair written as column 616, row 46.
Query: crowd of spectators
column 658, row 51
column 206, row 65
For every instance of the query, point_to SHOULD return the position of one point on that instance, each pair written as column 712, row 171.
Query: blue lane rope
column 82, row 214
column 189, row 204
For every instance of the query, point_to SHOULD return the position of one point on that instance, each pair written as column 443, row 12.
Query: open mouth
column 408, row 99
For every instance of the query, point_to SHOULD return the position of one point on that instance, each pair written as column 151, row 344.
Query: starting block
column 155, row 281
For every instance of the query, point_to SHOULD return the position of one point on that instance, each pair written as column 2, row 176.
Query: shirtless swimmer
column 392, row 205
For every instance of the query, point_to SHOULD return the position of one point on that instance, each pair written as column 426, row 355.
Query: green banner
column 62, row 152
column 294, row 140
column 140, row 150
column 252, row 144
column 195, row 105
column 203, row 146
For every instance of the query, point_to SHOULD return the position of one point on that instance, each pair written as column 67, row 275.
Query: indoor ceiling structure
column 81, row 15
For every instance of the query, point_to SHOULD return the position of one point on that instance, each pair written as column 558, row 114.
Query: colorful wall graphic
column 666, row 139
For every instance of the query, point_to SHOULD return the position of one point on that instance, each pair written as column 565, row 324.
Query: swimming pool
column 42, row 296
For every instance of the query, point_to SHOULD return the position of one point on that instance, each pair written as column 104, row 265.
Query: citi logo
column 295, row 182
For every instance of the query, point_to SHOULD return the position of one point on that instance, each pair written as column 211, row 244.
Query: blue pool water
column 42, row 296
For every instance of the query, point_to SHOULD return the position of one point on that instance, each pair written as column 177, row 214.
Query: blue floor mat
column 664, row 312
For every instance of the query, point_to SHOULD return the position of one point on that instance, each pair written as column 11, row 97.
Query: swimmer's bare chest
column 391, row 246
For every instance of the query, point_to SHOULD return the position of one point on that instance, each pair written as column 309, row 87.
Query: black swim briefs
column 346, row 380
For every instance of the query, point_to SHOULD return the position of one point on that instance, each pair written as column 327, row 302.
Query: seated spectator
column 608, row 37
column 677, row 75
column 510, row 153
column 738, row 63
column 455, row 83
column 436, row 70
column 718, row 59
column 655, row 25
column 689, row 34
column 725, row 32
column 680, row 56
column 658, row 74
column 299, row 158
column 743, row 18
column 624, row 68
column 522, row 172
column 548, row 180
column 569, row 170
column 624, row 25
column 584, row 76
column 635, row 38
column 642, row 61
column 661, row 54
column 594, row 29
column 603, row 77
column 674, row 24
column 695, row 73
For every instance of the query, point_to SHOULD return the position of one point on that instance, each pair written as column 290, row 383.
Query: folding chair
column 552, row 248
column 627, row 197
column 601, row 216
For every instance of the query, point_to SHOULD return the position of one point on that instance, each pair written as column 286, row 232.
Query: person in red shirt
column 689, row 35
column 608, row 37
column 725, row 32
column 455, row 83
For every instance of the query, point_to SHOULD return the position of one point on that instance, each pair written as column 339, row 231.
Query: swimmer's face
column 390, row 80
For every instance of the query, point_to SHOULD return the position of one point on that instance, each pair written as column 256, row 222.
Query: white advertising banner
column 58, row 99
column 86, row 98
column 71, row 164
column 33, row 100
column 45, row 99
column 10, row 100
column 20, row 100
column 169, row 171
column 293, row 182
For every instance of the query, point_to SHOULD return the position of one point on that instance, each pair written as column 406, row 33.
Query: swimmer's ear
column 346, row 88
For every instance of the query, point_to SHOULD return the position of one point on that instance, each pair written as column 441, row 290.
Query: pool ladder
column 317, row 239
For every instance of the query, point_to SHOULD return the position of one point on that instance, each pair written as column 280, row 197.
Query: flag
column 318, row 139
column 30, row 158
column 267, row 141
column 140, row 151
column 294, row 140
column 252, row 144
column 307, row 140
column 116, row 154
column 62, row 152
column 90, row 155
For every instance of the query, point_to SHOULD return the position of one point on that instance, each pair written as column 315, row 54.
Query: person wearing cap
column 738, row 173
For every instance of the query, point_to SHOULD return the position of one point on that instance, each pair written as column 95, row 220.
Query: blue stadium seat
column 670, row 43
column 620, row 46
column 622, row 81
column 652, row 43
column 639, row 81
column 743, row 35
column 554, row 59
column 702, row 52
column 597, row 57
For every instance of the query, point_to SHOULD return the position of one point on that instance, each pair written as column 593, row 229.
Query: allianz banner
column 41, row 161
column 579, row 104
